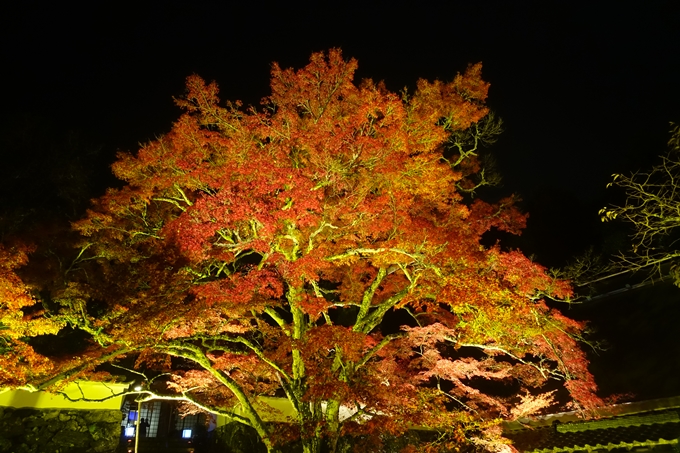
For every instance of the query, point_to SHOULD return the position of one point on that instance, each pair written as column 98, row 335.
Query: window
column 150, row 412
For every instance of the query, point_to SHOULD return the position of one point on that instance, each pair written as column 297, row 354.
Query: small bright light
column 186, row 434
column 130, row 431
column 138, row 388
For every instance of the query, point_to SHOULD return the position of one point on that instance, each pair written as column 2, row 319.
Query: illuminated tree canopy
column 325, row 249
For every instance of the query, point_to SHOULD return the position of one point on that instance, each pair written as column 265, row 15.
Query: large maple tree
column 323, row 248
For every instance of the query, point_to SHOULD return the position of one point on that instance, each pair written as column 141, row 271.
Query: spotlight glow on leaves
column 263, row 250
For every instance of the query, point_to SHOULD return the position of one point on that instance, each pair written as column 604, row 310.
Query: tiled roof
column 621, row 428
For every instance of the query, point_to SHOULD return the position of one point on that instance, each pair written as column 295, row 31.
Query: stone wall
column 59, row 430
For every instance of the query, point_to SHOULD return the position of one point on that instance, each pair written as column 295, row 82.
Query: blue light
column 186, row 434
column 130, row 431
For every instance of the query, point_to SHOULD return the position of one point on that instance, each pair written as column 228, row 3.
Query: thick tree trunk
column 333, row 424
column 272, row 449
column 311, row 445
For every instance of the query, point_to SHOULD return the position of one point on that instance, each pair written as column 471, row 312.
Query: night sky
column 585, row 89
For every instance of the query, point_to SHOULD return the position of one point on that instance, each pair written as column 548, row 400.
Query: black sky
column 586, row 89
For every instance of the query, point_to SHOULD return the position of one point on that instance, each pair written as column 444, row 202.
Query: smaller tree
column 652, row 207
column 20, row 318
